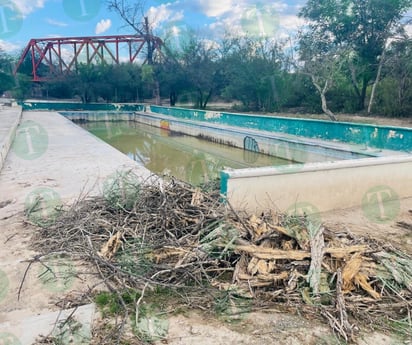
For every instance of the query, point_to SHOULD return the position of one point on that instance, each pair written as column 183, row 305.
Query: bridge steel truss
column 62, row 55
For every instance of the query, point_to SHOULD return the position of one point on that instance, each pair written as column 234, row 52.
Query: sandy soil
column 396, row 232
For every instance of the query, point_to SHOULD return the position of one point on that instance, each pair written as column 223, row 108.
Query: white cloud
column 408, row 29
column 163, row 13
column 9, row 47
column 276, row 19
column 27, row 6
column 216, row 8
column 291, row 22
column 103, row 26
column 56, row 23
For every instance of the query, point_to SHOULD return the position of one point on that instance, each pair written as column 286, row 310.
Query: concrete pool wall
column 376, row 172
column 290, row 147
column 380, row 137
column 293, row 148
column 343, row 164
column 321, row 187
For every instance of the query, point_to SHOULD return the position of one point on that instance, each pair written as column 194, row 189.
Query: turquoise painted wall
column 381, row 137
column 81, row 106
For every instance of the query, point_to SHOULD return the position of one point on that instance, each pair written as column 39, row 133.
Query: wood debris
column 110, row 248
column 179, row 236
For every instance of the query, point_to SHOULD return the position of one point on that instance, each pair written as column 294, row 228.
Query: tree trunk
column 199, row 100
column 325, row 108
column 324, row 102
column 365, row 83
column 354, row 81
column 207, row 99
column 149, row 42
column 172, row 97
column 375, row 84
column 157, row 92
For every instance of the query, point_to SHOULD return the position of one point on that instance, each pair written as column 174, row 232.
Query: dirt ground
column 397, row 232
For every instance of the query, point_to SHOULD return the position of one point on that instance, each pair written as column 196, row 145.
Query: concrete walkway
column 56, row 160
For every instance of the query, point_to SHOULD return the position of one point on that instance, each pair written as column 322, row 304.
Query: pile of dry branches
column 175, row 235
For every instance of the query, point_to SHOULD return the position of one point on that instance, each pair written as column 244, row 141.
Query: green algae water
column 187, row 158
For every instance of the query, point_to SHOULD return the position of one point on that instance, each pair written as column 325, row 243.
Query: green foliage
column 388, row 102
column 363, row 27
column 148, row 73
column 231, row 307
column 394, row 92
column 111, row 303
column 59, row 88
column 253, row 73
column 122, row 189
column 23, row 87
column 6, row 82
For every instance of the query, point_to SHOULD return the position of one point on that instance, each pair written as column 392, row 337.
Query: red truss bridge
column 62, row 55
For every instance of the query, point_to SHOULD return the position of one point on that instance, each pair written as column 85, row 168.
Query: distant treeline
column 354, row 57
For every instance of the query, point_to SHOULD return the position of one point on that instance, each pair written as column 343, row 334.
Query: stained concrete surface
column 53, row 158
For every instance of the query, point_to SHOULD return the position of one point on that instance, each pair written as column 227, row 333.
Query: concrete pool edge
column 322, row 187
column 12, row 117
column 73, row 166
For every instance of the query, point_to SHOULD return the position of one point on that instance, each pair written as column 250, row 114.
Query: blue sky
column 21, row 20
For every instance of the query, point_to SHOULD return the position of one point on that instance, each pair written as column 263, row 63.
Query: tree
column 361, row 26
column 200, row 62
column 173, row 79
column 6, row 76
column 322, row 62
column 85, row 81
column 253, row 72
column 394, row 94
column 133, row 15
column 59, row 87
column 23, row 87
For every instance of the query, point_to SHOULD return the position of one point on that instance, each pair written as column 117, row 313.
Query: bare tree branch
column 132, row 14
